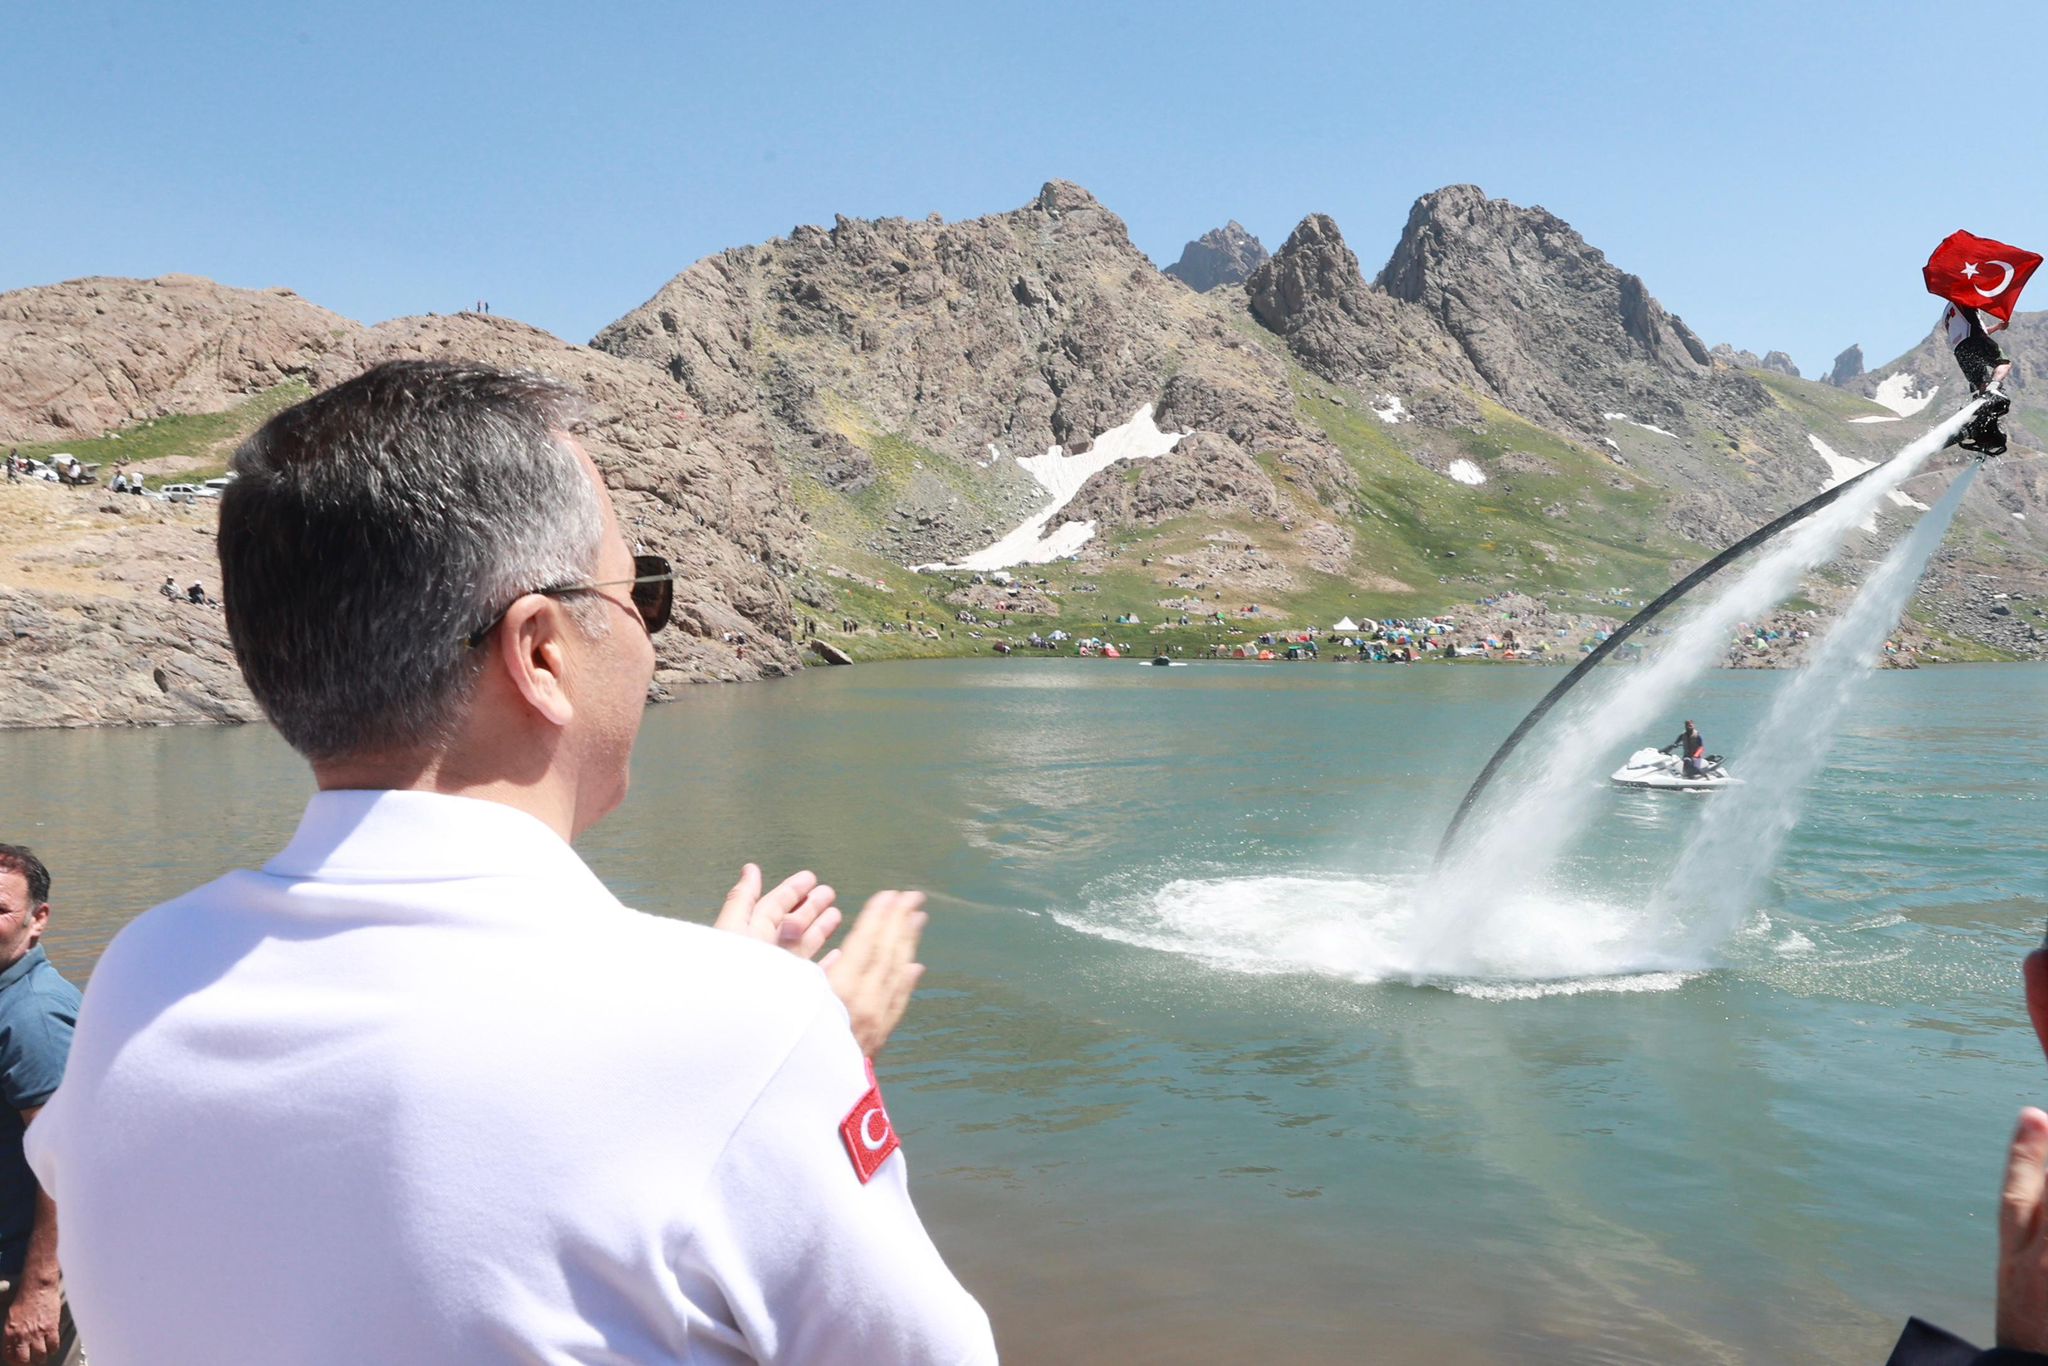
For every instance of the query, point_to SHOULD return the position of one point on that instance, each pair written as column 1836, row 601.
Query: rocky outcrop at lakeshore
column 90, row 356
column 95, row 642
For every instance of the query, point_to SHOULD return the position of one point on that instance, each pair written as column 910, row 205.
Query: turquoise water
column 1168, row 1095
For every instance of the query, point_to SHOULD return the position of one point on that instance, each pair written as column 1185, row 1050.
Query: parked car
column 180, row 493
column 213, row 488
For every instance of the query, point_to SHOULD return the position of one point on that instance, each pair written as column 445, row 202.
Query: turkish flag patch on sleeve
column 867, row 1132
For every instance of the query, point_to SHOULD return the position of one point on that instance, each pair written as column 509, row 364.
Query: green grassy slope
column 197, row 444
column 1553, row 519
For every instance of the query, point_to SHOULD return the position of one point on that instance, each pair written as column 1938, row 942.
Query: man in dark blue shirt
column 37, row 1011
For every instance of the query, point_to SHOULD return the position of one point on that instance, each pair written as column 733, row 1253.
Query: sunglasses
column 653, row 595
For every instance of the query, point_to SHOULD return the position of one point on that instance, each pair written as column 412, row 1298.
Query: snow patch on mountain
column 1061, row 476
column 1901, row 393
column 1465, row 472
column 1842, row 468
column 1648, row 427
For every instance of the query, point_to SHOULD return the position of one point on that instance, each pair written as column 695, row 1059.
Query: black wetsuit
column 1979, row 358
column 1976, row 353
column 1692, row 749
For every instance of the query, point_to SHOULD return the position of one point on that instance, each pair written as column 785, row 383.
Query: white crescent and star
column 867, row 1139
column 1970, row 273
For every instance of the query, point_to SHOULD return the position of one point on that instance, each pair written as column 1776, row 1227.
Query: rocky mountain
column 913, row 362
column 1847, row 367
column 1552, row 328
column 1220, row 256
column 1500, row 414
column 1315, row 299
column 1777, row 362
column 92, row 638
column 92, row 356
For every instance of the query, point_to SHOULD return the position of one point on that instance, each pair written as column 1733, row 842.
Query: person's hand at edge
column 875, row 970
column 2022, row 1241
column 799, row 915
column 32, row 1325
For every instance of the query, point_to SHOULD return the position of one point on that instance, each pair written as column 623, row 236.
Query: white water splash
column 1362, row 930
column 1738, row 840
column 1501, row 871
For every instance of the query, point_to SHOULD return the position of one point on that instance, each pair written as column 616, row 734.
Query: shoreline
column 231, row 709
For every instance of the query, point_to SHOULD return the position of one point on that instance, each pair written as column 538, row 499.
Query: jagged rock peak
column 1064, row 196
column 1848, row 366
column 1314, row 263
column 1775, row 361
column 1545, row 317
column 1221, row 256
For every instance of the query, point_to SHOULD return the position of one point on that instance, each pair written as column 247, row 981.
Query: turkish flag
column 1976, row 272
column 867, row 1133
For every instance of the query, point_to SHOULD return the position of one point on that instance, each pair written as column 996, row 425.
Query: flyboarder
column 1984, row 367
column 1974, row 273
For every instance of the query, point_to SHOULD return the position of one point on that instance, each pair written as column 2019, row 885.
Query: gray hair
column 373, row 528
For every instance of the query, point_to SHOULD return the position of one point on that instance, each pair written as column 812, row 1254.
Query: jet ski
column 1653, row 768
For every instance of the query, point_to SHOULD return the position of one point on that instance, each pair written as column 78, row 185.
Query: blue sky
column 1772, row 170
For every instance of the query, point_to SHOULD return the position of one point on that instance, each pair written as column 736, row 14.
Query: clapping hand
column 2023, row 1241
column 799, row 915
column 2022, row 1237
column 875, row 970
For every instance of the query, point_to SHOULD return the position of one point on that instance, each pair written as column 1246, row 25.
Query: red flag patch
column 1976, row 272
column 867, row 1132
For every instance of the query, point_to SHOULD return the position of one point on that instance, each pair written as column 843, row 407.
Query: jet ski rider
column 1692, row 749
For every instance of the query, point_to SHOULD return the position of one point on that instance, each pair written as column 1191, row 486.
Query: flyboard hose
column 1629, row 628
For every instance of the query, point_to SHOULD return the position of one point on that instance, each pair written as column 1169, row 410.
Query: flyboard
column 1959, row 420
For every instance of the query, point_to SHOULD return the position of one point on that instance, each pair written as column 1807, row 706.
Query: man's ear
column 532, row 649
column 39, row 920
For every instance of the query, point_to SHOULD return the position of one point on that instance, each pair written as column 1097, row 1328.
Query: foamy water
column 1364, row 929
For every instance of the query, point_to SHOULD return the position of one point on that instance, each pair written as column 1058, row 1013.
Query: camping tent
column 1345, row 625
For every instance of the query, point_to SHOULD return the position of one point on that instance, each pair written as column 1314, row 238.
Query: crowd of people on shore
column 377, row 1100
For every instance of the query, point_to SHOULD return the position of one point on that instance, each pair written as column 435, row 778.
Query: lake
column 1158, row 1107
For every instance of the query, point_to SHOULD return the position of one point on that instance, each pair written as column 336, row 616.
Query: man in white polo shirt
column 421, row 1089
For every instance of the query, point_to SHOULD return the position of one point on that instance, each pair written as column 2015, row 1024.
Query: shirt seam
column 725, row 1144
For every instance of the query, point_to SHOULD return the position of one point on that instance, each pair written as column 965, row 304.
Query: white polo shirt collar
column 357, row 835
